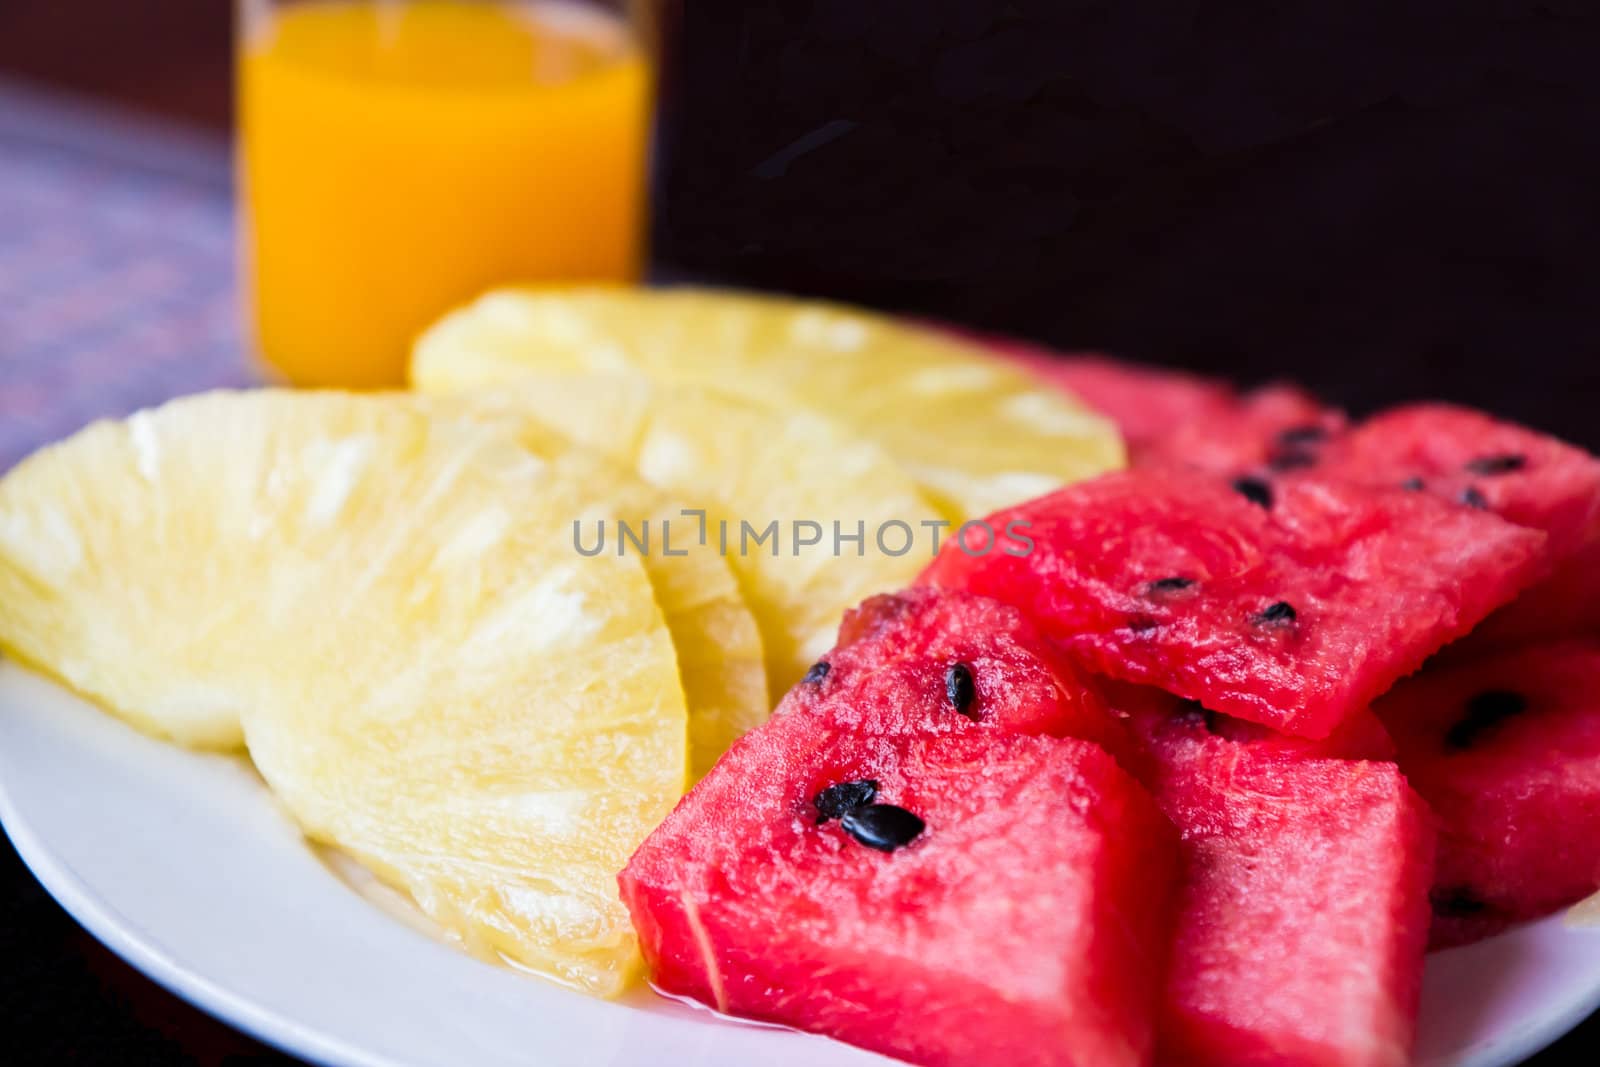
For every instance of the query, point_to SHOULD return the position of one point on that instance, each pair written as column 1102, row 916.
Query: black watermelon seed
column 1143, row 624
column 1485, row 711
column 1310, row 433
column 1174, row 584
column 961, row 690
column 1282, row 611
column 1193, row 713
column 1255, row 490
column 882, row 826
column 1413, row 485
column 837, row 801
column 1457, row 902
column 1500, row 463
column 1472, row 498
column 817, row 673
column 1290, row 459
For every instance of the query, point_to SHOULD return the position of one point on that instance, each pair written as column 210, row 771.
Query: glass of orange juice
column 397, row 157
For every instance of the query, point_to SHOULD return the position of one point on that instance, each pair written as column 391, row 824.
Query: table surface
column 117, row 291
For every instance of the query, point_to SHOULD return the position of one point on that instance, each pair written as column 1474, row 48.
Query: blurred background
column 171, row 58
column 1382, row 199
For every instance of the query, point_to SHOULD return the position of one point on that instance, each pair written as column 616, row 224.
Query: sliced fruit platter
column 1121, row 717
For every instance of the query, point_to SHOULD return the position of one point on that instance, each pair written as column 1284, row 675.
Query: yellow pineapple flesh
column 425, row 672
column 975, row 433
column 750, row 464
column 718, row 642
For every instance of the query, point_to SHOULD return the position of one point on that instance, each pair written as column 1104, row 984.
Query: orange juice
column 400, row 156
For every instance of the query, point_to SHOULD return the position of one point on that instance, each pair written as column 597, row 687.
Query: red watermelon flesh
column 1506, row 749
column 1461, row 455
column 905, row 661
column 1566, row 604
column 1275, row 428
column 1293, row 616
column 1524, row 476
column 1028, row 922
column 1303, row 913
column 1171, row 728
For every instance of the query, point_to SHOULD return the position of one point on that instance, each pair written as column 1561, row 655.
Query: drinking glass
column 398, row 157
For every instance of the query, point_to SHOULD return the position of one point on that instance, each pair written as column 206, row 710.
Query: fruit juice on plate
column 399, row 157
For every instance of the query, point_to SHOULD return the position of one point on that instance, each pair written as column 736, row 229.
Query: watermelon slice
column 1169, row 728
column 1292, row 611
column 1526, row 477
column 929, row 661
column 1463, row 455
column 1303, row 912
column 1566, row 604
column 1273, row 429
column 1303, row 915
column 977, row 898
column 1507, row 751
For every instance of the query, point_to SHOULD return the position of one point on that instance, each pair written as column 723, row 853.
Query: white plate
column 183, row 865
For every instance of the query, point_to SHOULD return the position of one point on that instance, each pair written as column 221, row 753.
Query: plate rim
column 143, row 952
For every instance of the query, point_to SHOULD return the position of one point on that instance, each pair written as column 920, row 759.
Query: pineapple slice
column 718, row 642
column 426, row 673
column 977, row 434
column 749, row 464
